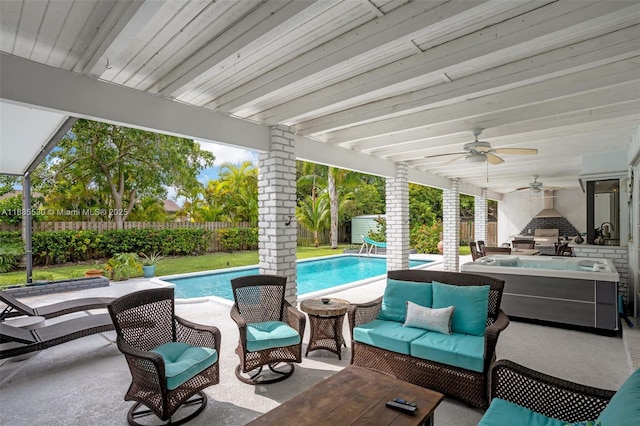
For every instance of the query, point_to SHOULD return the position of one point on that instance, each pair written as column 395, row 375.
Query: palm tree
column 314, row 215
column 238, row 190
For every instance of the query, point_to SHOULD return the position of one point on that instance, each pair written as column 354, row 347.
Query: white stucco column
column 480, row 217
column 451, row 225
column 277, row 236
column 397, row 195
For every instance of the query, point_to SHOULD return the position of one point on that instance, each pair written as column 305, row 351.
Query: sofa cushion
column 502, row 413
column 389, row 335
column 270, row 334
column 459, row 350
column 183, row 361
column 428, row 318
column 471, row 302
column 624, row 407
column 396, row 295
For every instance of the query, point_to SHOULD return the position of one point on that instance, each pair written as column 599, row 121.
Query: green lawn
column 174, row 265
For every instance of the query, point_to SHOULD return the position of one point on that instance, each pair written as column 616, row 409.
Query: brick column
column 276, row 205
column 397, row 216
column 480, row 217
column 451, row 225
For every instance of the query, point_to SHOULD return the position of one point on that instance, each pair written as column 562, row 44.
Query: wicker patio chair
column 475, row 254
column 466, row 385
column 16, row 308
column 170, row 359
column 481, row 247
column 51, row 335
column 270, row 328
column 545, row 394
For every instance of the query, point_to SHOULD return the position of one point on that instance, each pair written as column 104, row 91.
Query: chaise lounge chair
column 17, row 308
column 369, row 245
column 52, row 335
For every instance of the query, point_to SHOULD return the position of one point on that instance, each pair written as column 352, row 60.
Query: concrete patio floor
column 84, row 381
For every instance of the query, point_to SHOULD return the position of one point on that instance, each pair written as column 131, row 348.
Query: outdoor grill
column 545, row 240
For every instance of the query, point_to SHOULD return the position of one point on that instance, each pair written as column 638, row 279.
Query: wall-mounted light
column 288, row 222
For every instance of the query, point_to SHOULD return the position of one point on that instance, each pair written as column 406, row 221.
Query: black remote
column 403, row 401
column 402, row 407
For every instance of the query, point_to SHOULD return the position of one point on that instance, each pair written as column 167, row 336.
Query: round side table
column 326, row 324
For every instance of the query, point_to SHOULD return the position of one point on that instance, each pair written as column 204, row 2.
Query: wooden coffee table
column 354, row 396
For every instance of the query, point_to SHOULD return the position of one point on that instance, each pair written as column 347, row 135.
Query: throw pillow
column 585, row 423
column 396, row 295
column 430, row 319
column 471, row 302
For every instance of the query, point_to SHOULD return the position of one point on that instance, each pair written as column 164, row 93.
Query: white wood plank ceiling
column 394, row 79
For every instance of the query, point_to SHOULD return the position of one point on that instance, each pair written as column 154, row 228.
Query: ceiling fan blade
column 521, row 151
column 493, row 159
column 442, row 155
column 455, row 159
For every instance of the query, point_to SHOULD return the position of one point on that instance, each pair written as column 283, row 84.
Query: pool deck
column 83, row 382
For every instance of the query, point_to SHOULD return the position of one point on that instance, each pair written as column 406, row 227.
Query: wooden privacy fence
column 305, row 237
column 467, row 232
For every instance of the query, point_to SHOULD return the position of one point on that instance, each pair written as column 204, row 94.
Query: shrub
column 234, row 239
column 10, row 255
column 380, row 234
column 425, row 238
column 9, row 237
column 123, row 266
column 168, row 241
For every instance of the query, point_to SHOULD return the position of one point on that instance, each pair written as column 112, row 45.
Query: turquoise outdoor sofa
column 521, row 396
column 413, row 334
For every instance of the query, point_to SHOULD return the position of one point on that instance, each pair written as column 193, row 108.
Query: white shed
column 361, row 225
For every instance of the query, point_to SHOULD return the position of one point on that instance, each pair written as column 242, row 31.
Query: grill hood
column 548, row 210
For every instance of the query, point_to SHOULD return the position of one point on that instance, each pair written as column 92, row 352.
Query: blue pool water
column 313, row 275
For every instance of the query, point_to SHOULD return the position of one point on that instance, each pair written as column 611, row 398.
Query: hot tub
column 568, row 290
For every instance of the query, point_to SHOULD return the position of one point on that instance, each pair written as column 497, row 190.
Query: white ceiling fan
column 481, row 151
column 536, row 186
column 538, row 189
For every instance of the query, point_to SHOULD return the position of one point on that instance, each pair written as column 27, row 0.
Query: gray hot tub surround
column 568, row 290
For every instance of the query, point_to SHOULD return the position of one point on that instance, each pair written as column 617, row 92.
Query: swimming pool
column 312, row 276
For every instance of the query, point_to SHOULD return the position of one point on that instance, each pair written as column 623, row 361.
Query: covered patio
column 456, row 95
column 83, row 382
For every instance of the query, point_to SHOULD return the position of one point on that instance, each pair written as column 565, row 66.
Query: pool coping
column 434, row 260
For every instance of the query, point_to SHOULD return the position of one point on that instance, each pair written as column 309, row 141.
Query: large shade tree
column 125, row 165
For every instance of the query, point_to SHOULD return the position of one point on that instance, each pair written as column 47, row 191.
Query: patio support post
column 451, row 225
column 27, row 223
column 277, row 235
column 397, row 195
column 480, row 217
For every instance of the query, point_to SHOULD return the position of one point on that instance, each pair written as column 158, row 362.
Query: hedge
column 51, row 247
column 233, row 239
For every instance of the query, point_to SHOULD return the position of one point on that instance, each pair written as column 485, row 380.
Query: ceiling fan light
column 475, row 158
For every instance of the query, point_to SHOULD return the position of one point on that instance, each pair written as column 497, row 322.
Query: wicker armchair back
column 144, row 321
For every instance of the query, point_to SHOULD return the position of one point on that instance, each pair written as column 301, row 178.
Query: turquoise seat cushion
column 503, row 413
column 624, row 407
column 459, row 350
column 270, row 334
column 471, row 302
column 396, row 295
column 183, row 361
column 389, row 335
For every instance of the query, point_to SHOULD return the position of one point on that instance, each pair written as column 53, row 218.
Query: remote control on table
column 408, row 409
column 402, row 401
